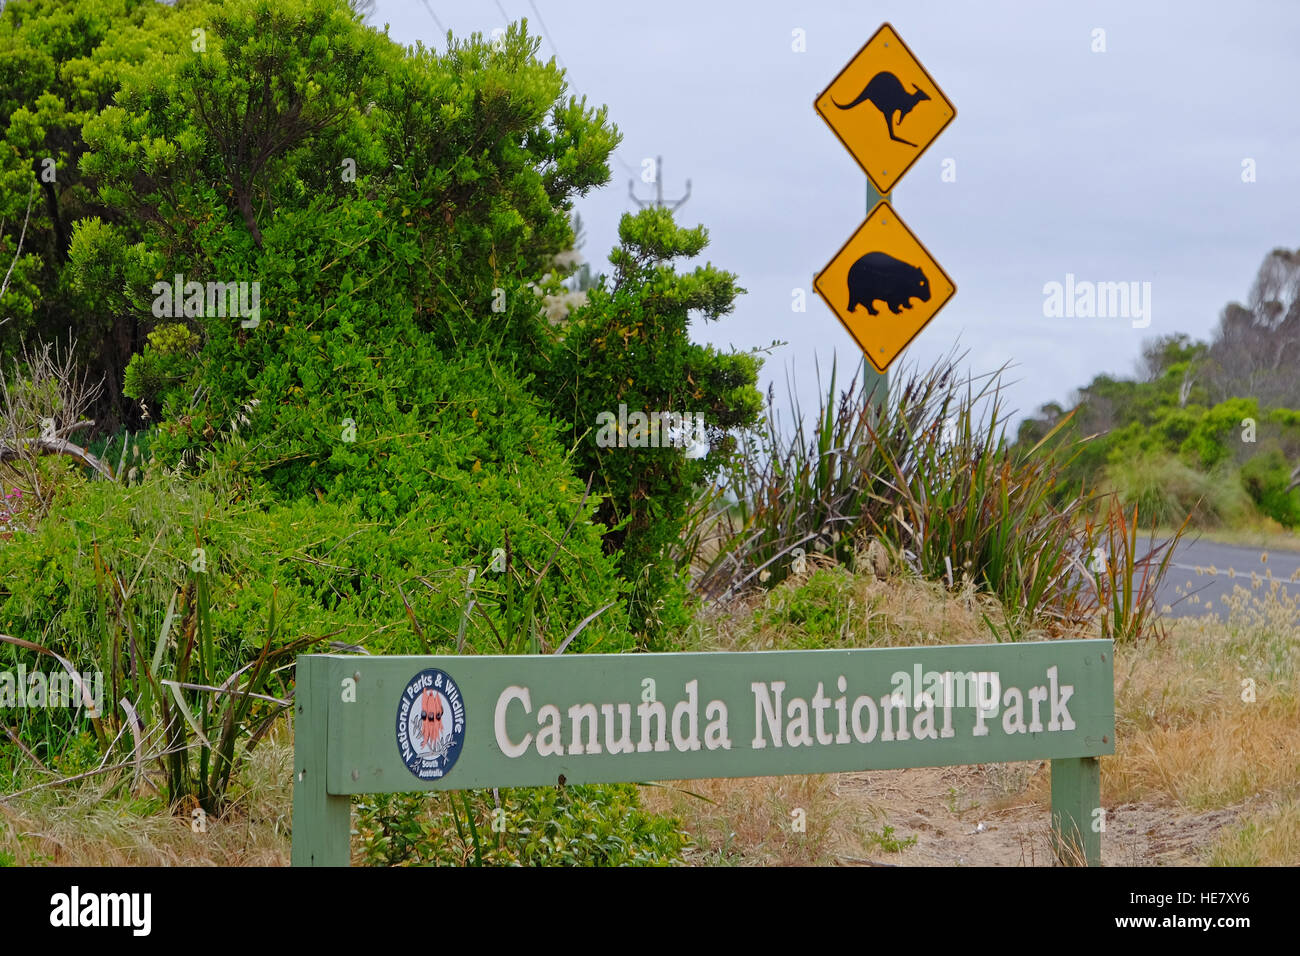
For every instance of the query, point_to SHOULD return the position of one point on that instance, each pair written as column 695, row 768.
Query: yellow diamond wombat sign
column 885, row 108
column 884, row 286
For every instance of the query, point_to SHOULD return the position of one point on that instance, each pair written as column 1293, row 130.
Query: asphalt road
column 1203, row 573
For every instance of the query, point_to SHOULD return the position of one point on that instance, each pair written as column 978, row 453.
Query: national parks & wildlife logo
column 430, row 724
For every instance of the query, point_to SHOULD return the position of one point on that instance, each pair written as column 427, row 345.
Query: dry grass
column 1222, row 759
column 1267, row 838
column 1211, row 717
column 829, row 607
column 1186, row 737
column 754, row 820
column 748, row 820
column 1189, row 747
column 89, row 825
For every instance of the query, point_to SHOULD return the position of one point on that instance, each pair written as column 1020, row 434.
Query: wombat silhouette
column 886, row 93
column 878, row 275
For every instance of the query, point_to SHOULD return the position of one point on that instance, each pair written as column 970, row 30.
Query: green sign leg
column 1076, row 798
column 321, row 821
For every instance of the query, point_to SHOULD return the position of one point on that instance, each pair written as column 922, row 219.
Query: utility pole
column 659, row 190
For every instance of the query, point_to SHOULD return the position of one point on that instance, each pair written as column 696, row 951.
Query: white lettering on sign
column 920, row 707
column 608, row 727
column 509, row 747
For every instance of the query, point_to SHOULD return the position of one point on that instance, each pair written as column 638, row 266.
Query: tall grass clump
column 961, row 503
column 930, row 474
column 1126, row 579
column 784, row 494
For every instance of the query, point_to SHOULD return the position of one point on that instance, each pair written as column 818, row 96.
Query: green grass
column 1267, row 838
column 1168, row 491
column 886, row 840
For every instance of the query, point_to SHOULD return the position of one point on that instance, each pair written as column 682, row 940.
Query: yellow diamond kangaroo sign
column 885, row 108
column 884, row 286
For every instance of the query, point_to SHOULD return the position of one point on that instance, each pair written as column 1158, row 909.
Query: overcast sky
column 1116, row 166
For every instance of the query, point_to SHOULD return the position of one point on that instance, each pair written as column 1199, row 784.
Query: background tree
column 1225, row 407
column 61, row 62
column 1256, row 346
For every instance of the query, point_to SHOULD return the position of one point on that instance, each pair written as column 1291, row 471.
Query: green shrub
column 1265, row 478
column 167, row 360
column 814, row 609
column 629, row 346
column 332, row 572
column 380, row 376
column 1209, row 440
column 1166, row 490
column 591, row 825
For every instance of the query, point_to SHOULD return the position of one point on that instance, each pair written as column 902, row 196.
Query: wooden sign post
column 398, row 724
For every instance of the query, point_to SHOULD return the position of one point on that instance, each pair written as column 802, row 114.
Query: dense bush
column 337, row 571
column 379, row 453
column 1166, row 489
column 399, row 351
column 594, row 825
column 61, row 62
column 1266, row 478
column 629, row 347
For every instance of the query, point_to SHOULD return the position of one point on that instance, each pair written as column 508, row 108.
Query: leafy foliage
column 351, row 458
column 61, row 63
column 1197, row 416
column 630, row 347
column 591, row 825
column 167, row 359
column 1267, row 479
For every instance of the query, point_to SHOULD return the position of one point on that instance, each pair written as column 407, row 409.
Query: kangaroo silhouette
column 886, row 93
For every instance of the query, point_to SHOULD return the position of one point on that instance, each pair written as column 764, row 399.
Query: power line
column 560, row 60
column 626, row 164
column 545, row 32
column 441, row 29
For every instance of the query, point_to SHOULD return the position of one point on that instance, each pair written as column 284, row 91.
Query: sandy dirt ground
column 998, row 815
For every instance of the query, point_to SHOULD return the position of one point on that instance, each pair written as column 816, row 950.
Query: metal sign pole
column 876, row 384
column 886, row 110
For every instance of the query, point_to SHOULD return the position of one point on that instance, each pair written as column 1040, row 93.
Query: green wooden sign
column 396, row 724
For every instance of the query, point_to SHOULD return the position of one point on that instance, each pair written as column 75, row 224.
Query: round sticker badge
column 430, row 724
